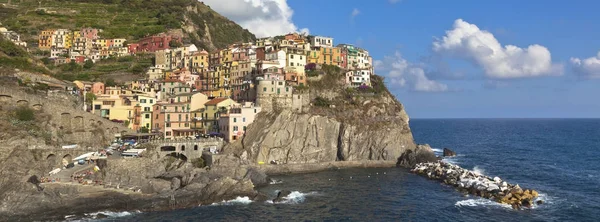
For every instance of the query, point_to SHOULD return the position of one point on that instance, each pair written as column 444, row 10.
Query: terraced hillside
column 130, row 19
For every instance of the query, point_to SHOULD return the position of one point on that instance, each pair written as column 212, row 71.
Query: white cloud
column 355, row 12
column 402, row 73
column 262, row 17
column 467, row 41
column 587, row 68
column 394, row 1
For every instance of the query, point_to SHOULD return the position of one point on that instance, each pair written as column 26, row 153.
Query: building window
column 147, row 116
column 254, row 110
column 243, row 119
column 235, row 128
column 234, row 120
column 168, row 133
column 168, row 125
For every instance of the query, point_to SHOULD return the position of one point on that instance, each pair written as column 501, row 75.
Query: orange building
column 45, row 39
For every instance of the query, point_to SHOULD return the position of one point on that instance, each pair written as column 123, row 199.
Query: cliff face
column 351, row 126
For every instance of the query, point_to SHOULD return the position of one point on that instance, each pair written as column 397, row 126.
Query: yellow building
column 226, row 55
column 45, row 39
column 68, row 40
column 207, row 118
column 313, row 56
column 200, row 62
column 216, row 81
column 146, row 103
column 330, row 56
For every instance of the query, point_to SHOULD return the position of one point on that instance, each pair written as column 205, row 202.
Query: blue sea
column 558, row 157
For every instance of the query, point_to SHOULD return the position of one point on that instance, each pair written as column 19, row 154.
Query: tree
column 88, row 64
column 144, row 130
column 110, row 82
column 89, row 98
column 175, row 44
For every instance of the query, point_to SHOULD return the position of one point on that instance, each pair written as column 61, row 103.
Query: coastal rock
column 449, row 153
column 422, row 154
column 328, row 134
column 175, row 183
column 467, row 181
column 281, row 196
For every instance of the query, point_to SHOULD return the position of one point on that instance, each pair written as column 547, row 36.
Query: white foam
column 480, row 202
column 294, row 197
column 111, row 214
column 478, row 170
column 437, row 150
column 237, row 200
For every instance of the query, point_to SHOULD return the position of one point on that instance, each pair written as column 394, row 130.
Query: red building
column 156, row 42
column 89, row 33
column 344, row 57
column 80, row 59
column 260, row 53
column 133, row 48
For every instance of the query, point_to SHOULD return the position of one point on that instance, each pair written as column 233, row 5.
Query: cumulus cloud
column 402, row 73
column 262, row 17
column 467, row 41
column 355, row 12
column 587, row 68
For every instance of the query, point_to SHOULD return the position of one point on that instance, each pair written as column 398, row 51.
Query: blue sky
column 448, row 59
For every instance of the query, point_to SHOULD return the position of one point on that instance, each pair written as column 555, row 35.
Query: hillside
column 130, row 19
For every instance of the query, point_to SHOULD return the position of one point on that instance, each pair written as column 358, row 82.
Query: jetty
column 470, row 182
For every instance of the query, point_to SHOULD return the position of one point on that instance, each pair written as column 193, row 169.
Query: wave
column 106, row 214
column 480, row 202
column 237, row 200
column 436, row 150
column 294, row 197
column 478, row 170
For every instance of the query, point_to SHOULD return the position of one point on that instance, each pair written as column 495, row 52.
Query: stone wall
column 297, row 102
column 74, row 125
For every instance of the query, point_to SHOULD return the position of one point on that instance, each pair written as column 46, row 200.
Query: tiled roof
column 216, row 101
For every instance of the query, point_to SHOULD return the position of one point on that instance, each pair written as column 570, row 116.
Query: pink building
column 89, row 33
column 233, row 124
column 98, row 88
column 240, row 54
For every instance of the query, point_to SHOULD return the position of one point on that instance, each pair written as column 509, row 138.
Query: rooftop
column 216, row 101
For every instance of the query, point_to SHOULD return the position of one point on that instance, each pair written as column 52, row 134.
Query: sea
column 560, row 158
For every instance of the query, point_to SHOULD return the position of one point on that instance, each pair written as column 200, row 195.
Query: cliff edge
column 335, row 123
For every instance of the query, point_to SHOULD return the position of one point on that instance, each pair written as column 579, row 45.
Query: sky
column 457, row 59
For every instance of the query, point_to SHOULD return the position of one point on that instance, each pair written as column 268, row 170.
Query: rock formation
column 449, row 152
column 353, row 127
column 478, row 185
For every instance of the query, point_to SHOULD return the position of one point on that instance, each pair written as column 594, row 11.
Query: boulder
column 422, row 154
column 258, row 178
column 175, row 183
column 281, row 196
column 449, row 152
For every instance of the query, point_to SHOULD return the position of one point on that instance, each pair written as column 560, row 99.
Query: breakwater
column 475, row 184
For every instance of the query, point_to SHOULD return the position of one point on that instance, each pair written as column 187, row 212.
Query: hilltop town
column 188, row 92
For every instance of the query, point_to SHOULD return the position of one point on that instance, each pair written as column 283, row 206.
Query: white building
column 279, row 56
column 358, row 77
column 321, row 41
column 296, row 60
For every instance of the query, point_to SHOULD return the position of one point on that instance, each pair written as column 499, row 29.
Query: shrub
column 198, row 163
column 88, row 64
column 322, row 102
column 24, row 113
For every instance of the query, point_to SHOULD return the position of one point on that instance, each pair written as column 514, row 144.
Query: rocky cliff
column 339, row 125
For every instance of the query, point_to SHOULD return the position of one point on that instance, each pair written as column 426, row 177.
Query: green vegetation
column 129, row 19
column 15, row 57
column 24, row 114
column 322, row 102
column 89, row 98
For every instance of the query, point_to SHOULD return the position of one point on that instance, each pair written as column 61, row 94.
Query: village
column 190, row 92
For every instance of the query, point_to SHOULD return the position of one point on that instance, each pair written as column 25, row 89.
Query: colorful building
column 45, row 40
column 233, row 124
